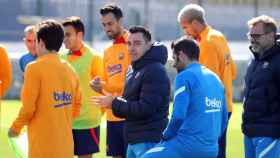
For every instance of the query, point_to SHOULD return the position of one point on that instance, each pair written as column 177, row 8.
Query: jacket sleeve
column 97, row 66
column 5, row 72
column 77, row 99
column 29, row 96
column 277, row 72
column 210, row 57
column 21, row 66
column 224, row 116
column 233, row 69
column 180, row 107
column 155, row 86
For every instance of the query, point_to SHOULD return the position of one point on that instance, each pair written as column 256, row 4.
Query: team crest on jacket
column 265, row 64
column 137, row 75
column 227, row 58
column 121, row 56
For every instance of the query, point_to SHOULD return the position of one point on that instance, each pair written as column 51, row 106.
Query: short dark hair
column 141, row 29
column 75, row 22
column 51, row 33
column 116, row 10
column 188, row 46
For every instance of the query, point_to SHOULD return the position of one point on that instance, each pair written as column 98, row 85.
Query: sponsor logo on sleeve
column 121, row 56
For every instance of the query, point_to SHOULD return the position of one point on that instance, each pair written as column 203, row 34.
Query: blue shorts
column 116, row 141
column 139, row 149
column 86, row 141
column 174, row 149
column 264, row 147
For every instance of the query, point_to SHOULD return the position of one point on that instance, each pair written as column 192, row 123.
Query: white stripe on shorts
column 267, row 149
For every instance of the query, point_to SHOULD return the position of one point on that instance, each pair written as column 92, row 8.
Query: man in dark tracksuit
column 261, row 116
column 145, row 101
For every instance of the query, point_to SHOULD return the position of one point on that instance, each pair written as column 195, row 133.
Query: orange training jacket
column 215, row 55
column 51, row 98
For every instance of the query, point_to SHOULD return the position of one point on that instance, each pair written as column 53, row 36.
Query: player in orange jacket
column 5, row 71
column 214, row 53
column 116, row 63
column 50, row 98
column 5, row 74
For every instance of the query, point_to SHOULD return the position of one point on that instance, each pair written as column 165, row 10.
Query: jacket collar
column 268, row 53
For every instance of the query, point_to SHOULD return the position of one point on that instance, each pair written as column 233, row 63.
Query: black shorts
column 86, row 141
column 116, row 141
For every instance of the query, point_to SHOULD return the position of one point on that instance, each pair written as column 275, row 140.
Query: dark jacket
column 145, row 101
column 261, row 116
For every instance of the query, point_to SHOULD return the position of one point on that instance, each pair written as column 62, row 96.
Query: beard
column 256, row 47
column 113, row 35
column 176, row 65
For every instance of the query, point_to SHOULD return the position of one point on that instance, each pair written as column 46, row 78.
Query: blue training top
column 199, row 112
column 25, row 59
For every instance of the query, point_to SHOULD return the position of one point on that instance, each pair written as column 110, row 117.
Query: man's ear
column 195, row 23
column 181, row 55
column 120, row 21
column 80, row 35
column 41, row 43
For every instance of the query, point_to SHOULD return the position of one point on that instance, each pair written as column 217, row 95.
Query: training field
column 10, row 109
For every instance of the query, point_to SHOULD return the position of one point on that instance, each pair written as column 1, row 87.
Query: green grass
column 10, row 109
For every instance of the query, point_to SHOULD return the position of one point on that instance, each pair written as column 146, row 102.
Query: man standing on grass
column 261, row 115
column 87, row 64
column 50, row 98
column 29, row 41
column 214, row 54
column 145, row 100
column 116, row 62
column 5, row 74
column 5, row 71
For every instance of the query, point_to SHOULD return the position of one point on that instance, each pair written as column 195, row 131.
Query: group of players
column 66, row 92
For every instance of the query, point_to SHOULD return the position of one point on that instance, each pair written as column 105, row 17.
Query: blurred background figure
column 29, row 41
column 5, row 74
column 5, row 71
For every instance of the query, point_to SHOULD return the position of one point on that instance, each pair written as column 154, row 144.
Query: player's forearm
column 24, row 117
column 172, row 128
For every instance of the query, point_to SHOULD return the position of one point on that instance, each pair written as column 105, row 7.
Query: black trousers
column 223, row 142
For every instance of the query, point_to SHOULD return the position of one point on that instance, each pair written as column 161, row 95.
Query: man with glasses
column 214, row 53
column 261, row 116
column 29, row 41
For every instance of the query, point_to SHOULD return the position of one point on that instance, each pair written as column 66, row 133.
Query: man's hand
column 102, row 101
column 12, row 133
column 96, row 84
